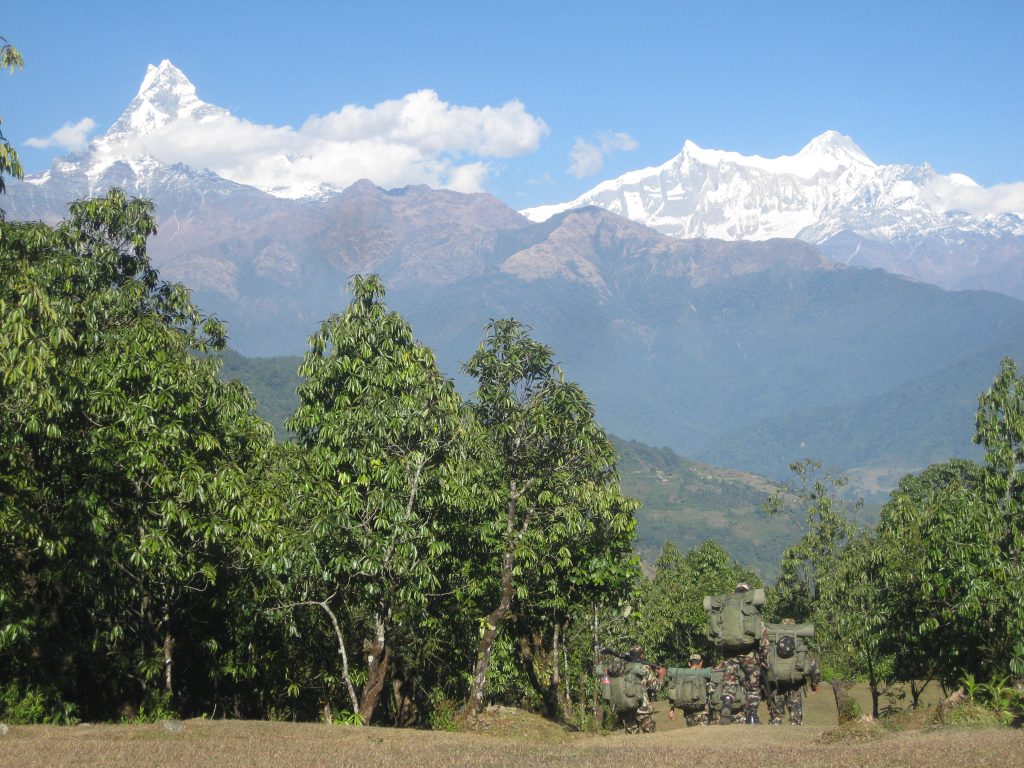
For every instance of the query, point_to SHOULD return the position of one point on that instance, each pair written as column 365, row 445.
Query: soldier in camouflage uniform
column 699, row 716
column 791, row 697
column 747, row 670
column 643, row 719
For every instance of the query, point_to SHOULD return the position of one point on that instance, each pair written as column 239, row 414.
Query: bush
column 443, row 712
column 34, row 705
column 966, row 715
column 155, row 707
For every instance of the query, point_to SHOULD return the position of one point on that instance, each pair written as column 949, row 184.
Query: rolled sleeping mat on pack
column 796, row 630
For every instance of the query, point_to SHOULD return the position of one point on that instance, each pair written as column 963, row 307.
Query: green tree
column 920, row 651
column 851, row 619
column 671, row 621
column 124, row 463
column 551, row 474
column 382, row 431
column 828, row 529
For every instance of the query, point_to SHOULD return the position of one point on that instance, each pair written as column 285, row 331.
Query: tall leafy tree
column 125, row 459
column 552, row 478
column 829, row 528
column 383, row 431
column 920, row 649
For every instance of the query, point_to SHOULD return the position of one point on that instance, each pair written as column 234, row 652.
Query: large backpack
column 688, row 688
column 787, row 653
column 734, row 620
column 739, row 697
column 622, row 685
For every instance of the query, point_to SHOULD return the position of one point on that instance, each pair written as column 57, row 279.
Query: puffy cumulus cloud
column 418, row 139
column 587, row 158
column 959, row 193
column 70, row 137
column 424, row 121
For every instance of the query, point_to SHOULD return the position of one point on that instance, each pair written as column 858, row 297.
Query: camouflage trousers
column 697, row 717
column 751, row 685
column 791, row 699
column 642, row 721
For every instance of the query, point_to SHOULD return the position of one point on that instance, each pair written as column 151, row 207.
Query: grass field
column 509, row 738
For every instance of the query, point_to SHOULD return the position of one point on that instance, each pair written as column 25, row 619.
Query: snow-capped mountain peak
column 165, row 95
column 828, row 187
column 834, row 145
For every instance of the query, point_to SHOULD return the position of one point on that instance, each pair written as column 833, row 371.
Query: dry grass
column 509, row 738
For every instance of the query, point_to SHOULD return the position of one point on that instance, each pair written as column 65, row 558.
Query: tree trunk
column 873, row 684
column 915, row 692
column 376, row 672
column 551, row 699
column 598, row 711
column 494, row 620
column 168, row 658
column 841, row 689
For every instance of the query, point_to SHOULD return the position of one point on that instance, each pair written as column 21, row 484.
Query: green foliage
column 670, row 620
column 124, row 464
column 829, row 530
column 379, row 480
column 851, row 711
column 558, row 531
column 31, row 705
column 155, row 707
column 443, row 712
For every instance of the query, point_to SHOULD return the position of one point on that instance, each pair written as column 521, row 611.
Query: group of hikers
column 761, row 661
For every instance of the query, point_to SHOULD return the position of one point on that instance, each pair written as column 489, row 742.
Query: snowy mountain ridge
column 829, row 186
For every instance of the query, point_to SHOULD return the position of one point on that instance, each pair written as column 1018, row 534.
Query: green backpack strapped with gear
column 787, row 654
column 622, row 684
column 688, row 688
column 734, row 620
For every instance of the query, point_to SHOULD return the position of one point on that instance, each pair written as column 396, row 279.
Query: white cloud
column 587, row 158
column 959, row 193
column 70, row 137
column 418, row 139
column 618, row 141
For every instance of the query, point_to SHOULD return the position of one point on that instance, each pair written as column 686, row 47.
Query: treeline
column 408, row 556
column 162, row 553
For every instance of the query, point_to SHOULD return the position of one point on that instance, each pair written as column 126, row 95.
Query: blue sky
column 910, row 82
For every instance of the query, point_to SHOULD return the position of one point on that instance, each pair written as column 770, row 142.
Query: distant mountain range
column 750, row 354
column 903, row 218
